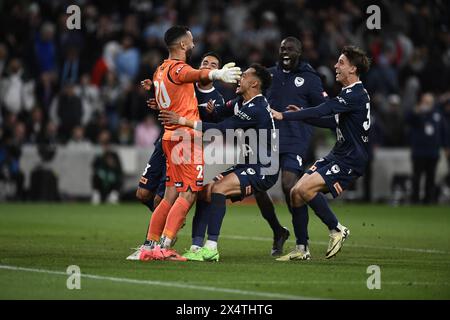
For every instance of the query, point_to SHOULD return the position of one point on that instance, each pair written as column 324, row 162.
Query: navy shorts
column 154, row 176
column 250, row 179
column 337, row 176
column 291, row 162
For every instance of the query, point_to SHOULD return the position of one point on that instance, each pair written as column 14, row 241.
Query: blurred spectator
column 107, row 173
column 78, row 140
column 106, row 63
column 43, row 179
column 125, row 135
column 46, row 90
column 35, row 125
column 16, row 94
column 11, row 177
column 111, row 94
column 428, row 135
column 90, row 98
column 127, row 61
column 67, row 111
column 393, row 123
column 146, row 132
column 3, row 58
column 45, row 48
column 98, row 124
column 49, row 134
column 70, row 68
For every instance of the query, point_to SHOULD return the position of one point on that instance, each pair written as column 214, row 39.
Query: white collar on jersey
column 203, row 90
column 258, row 95
column 354, row 83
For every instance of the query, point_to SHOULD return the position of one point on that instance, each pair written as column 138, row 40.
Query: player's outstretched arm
column 229, row 73
column 186, row 74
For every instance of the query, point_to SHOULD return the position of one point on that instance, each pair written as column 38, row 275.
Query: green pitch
column 411, row 245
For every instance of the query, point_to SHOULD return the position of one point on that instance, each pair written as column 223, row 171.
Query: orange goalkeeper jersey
column 173, row 92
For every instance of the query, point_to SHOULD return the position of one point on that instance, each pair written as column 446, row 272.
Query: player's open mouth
column 286, row 60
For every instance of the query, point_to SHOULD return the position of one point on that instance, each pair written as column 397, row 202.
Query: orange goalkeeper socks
column 158, row 220
column 176, row 217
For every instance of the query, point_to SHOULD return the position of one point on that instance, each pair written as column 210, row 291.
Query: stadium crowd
column 64, row 86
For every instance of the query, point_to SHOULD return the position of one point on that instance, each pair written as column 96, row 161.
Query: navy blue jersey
column 428, row 133
column 253, row 114
column 300, row 87
column 203, row 96
column 351, row 110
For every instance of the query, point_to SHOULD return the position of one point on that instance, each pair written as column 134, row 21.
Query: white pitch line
column 234, row 237
column 166, row 284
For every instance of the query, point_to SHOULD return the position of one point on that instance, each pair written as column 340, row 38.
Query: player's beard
column 188, row 54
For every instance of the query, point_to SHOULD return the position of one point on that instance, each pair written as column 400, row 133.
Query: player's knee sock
column 216, row 212
column 158, row 220
column 320, row 206
column 300, row 220
column 267, row 209
column 199, row 223
column 176, row 217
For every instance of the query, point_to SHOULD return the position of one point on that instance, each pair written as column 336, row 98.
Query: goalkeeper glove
column 229, row 73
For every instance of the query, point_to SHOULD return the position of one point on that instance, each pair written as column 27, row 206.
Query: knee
column 296, row 196
column 189, row 196
column 301, row 194
column 143, row 195
column 218, row 188
column 287, row 183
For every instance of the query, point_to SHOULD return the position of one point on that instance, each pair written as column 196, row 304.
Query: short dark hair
column 212, row 54
column 358, row 58
column 295, row 40
column 263, row 75
column 174, row 33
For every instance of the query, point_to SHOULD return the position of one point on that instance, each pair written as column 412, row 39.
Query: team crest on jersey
column 299, row 81
column 334, row 169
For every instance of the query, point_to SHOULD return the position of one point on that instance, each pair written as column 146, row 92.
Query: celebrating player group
column 273, row 116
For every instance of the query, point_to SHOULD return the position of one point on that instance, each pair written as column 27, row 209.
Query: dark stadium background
column 61, row 87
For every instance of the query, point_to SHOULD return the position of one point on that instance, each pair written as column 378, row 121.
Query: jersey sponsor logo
column 179, row 184
column 179, row 69
column 333, row 170
column 251, row 171
column 251, row 105
column 365, row 138
column 348, row 90
column 299, row 81
column 199, row 183
column 324, row 94
column 243, row 115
